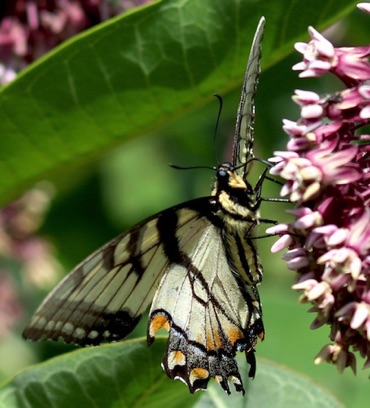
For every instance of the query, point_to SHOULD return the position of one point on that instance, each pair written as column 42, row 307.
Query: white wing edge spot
column 79, row 333
column 93, row 334
column 68, row 328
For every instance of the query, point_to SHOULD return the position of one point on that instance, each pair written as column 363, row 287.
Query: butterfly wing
column 244, row 129
column 104, row 297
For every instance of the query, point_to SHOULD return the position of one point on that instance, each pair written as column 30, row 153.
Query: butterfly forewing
column 244, row 129
column 104, row 297
column 195, row 263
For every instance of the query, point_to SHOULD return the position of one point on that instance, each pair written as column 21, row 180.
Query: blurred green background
column 134, row 181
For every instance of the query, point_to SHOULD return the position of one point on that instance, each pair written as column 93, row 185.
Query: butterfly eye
column 222, row 173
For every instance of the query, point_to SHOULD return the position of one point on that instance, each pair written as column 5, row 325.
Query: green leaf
column 134, row 73
column 128, row 374
column 121, row 374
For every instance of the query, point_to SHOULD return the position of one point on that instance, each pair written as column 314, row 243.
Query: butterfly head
column 227, row 177
column 228, row 180
column 235, row 195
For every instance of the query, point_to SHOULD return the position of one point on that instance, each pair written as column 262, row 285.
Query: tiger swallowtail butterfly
column 195, row 263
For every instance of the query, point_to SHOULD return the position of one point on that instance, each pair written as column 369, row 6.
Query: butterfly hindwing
column 206, row 332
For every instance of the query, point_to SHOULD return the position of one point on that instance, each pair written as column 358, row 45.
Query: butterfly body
column 196, row 264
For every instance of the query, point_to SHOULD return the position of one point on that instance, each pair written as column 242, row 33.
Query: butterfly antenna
column 175, row 166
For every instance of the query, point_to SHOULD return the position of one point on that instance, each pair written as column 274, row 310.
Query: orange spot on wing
column 158, row 322
column 234, row 334
column 198, row 373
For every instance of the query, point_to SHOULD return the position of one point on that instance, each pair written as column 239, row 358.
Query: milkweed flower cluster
column 326, row 173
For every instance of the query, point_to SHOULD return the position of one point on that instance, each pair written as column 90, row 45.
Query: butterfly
column 195, row 263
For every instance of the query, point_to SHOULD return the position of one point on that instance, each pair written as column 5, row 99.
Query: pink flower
column 318, row 55
column 349, row 64
column 326, row 174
